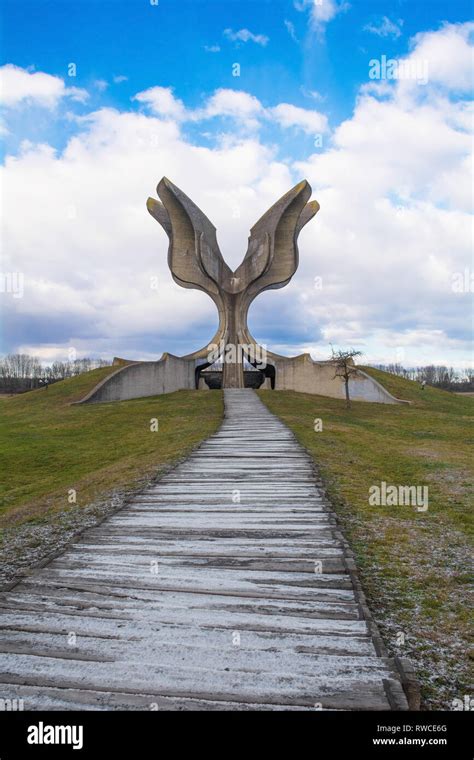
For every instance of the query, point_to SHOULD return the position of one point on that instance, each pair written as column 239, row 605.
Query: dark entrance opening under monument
column 253, row 378
column 254, row 375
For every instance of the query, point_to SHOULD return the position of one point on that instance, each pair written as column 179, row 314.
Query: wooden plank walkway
column 226, row 585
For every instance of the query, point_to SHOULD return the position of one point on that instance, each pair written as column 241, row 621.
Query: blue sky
column 154, row 94
column 167, row 43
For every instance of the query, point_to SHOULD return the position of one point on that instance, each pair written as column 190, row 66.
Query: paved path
column 227, row 585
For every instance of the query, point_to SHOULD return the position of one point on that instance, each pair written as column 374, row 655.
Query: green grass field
column 414, row 566
column 48, row 446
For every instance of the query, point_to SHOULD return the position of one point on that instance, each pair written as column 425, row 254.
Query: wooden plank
column 189, row 598
column 193, row 681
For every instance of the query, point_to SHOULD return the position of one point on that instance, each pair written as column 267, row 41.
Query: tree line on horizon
column 436, row 375
column 23, row 372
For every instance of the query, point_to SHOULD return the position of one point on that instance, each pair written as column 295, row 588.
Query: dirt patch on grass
column 452, row 482
column 427, row 453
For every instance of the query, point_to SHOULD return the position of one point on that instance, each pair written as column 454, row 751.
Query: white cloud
column 394, row 225
column 120, row 78
column 442, row 58
column 449, row 55
column 244, row 35
column 88, row 284
column 244, row 108
column 18, row 85
column 314, row 94
column 326, row 10
column 321, row 11
column 290, row 28
column 235, row 103
column 311, row 122
column 386, row 28
column 162, row 102
column 250, row 112
column 101, row 85
column 212, row 48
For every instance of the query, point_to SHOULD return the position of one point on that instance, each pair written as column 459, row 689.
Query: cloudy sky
column 235, row 101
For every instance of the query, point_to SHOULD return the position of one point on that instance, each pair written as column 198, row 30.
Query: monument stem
column 233, row 359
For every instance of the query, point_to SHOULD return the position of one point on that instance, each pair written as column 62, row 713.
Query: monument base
column 174, row 373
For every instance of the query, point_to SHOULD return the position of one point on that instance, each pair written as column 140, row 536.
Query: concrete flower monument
column 196, row 261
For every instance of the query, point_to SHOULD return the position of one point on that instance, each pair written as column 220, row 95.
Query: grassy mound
column 412, row 391
column 414, row 565
column 48, row 447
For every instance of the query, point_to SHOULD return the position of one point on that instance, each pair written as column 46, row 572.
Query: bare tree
column 20, row 366
column 345, row 368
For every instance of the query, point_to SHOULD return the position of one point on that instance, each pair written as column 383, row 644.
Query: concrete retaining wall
column 171, row 373
column 143, row 379
column 304, row 375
